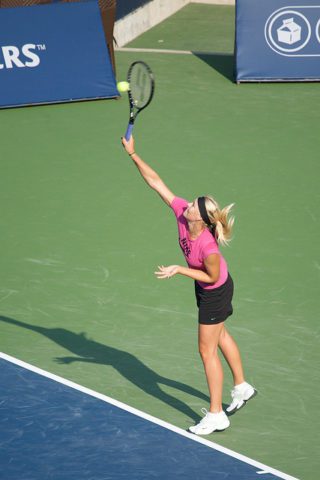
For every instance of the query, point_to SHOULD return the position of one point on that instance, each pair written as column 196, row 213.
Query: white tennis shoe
column 240, row 395
column 211, row 422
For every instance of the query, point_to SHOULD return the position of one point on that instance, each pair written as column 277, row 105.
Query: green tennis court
column 82, row 235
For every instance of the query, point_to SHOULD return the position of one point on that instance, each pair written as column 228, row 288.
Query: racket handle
column 129, row 131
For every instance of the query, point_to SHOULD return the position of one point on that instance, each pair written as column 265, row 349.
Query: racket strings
column 140, row 86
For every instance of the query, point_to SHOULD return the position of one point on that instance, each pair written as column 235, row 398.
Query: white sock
column 241, row 385
column 215, row 413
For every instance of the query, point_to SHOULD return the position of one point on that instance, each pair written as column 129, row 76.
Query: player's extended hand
column 128, row 145
column 167, row 272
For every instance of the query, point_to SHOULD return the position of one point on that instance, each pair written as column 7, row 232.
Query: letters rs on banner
column 277, row 40
column 12, row 56
column 53, row 53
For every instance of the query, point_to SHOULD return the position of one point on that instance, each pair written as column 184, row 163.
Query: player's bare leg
column 242, row 391
column 216, row 418
column 231, row 353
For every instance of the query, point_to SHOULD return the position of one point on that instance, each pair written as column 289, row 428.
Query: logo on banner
column 12, row 56
column 318, row 31
column 290, row 31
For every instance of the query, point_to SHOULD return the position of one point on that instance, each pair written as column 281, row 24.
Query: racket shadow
column 221, row 62
column 129, row 366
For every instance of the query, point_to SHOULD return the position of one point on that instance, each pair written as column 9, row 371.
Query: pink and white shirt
column 195, row 251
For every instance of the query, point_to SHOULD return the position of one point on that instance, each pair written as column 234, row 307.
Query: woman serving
column 202, row 226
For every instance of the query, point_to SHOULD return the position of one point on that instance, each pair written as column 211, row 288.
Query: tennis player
column 202, row 226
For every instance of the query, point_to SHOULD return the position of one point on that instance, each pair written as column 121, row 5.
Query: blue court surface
column 51, row 428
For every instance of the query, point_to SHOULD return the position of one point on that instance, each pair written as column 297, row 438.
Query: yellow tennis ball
column 123, row 86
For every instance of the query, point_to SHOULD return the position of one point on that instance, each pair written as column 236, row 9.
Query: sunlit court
column 100, row 371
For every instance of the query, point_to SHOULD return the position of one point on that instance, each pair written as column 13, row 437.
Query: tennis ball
column 123, row 86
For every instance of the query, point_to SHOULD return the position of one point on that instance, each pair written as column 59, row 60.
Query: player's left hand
column 167, row 272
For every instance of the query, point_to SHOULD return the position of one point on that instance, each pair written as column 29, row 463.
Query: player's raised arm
column 147, row 173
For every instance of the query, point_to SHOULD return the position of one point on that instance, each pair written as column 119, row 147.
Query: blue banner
column 53, row 53
column 278, row 40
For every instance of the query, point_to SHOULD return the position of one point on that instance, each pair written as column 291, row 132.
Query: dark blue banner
column 53, row 53
column 278, row 40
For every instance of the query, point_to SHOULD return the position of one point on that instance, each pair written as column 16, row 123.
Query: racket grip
column 129, row 131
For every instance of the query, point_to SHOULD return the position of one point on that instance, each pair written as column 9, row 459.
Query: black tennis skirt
column 214, row 305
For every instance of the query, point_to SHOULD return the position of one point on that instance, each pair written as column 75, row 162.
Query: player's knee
column 206, row 352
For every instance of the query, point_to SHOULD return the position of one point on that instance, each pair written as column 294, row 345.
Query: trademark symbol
column 41, row 47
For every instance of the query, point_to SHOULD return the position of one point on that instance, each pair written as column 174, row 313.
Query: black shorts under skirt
column 214, row 305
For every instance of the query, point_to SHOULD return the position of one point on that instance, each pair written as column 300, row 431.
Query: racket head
column 141, row 87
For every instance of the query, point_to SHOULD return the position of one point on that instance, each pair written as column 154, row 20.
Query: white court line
column 263, row 469
column 174, row 52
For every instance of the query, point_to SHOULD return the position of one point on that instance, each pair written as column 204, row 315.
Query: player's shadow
column 222, row 63
column 128, row 365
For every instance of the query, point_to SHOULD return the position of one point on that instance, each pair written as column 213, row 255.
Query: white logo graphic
column 294, row 31
column 13, row 57
column 318, row 31
column 289, row 32
column 283, row 28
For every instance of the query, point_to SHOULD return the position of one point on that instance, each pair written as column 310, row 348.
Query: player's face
column 192, row 213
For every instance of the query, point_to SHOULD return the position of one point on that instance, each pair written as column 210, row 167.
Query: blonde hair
column 221, row 224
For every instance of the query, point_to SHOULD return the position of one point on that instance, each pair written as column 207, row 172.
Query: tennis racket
column 140, row 93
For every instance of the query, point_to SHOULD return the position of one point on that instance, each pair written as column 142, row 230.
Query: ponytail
column 222, row 225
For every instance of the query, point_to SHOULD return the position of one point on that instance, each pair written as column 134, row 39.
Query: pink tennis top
column 195, row 251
